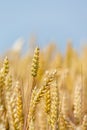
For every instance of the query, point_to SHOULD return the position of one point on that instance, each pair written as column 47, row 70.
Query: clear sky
column 49, row 20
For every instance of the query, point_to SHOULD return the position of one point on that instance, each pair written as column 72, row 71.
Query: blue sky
column 49, row 20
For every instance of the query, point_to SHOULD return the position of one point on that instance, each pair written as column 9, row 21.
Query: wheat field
column 43, row 89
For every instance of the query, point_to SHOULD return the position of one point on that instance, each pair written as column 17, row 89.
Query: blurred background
column 44, row 22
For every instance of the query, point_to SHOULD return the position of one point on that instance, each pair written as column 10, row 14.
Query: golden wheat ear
column 35, row 62
column 3, row 73
column 34, row 67
column 8, row 87
column 19, row 107
column 78, row 101
column 6, row 66
column 64, row 107
column 47, row 98
column 2, row 81
column 54, row 105
column 2, row 104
